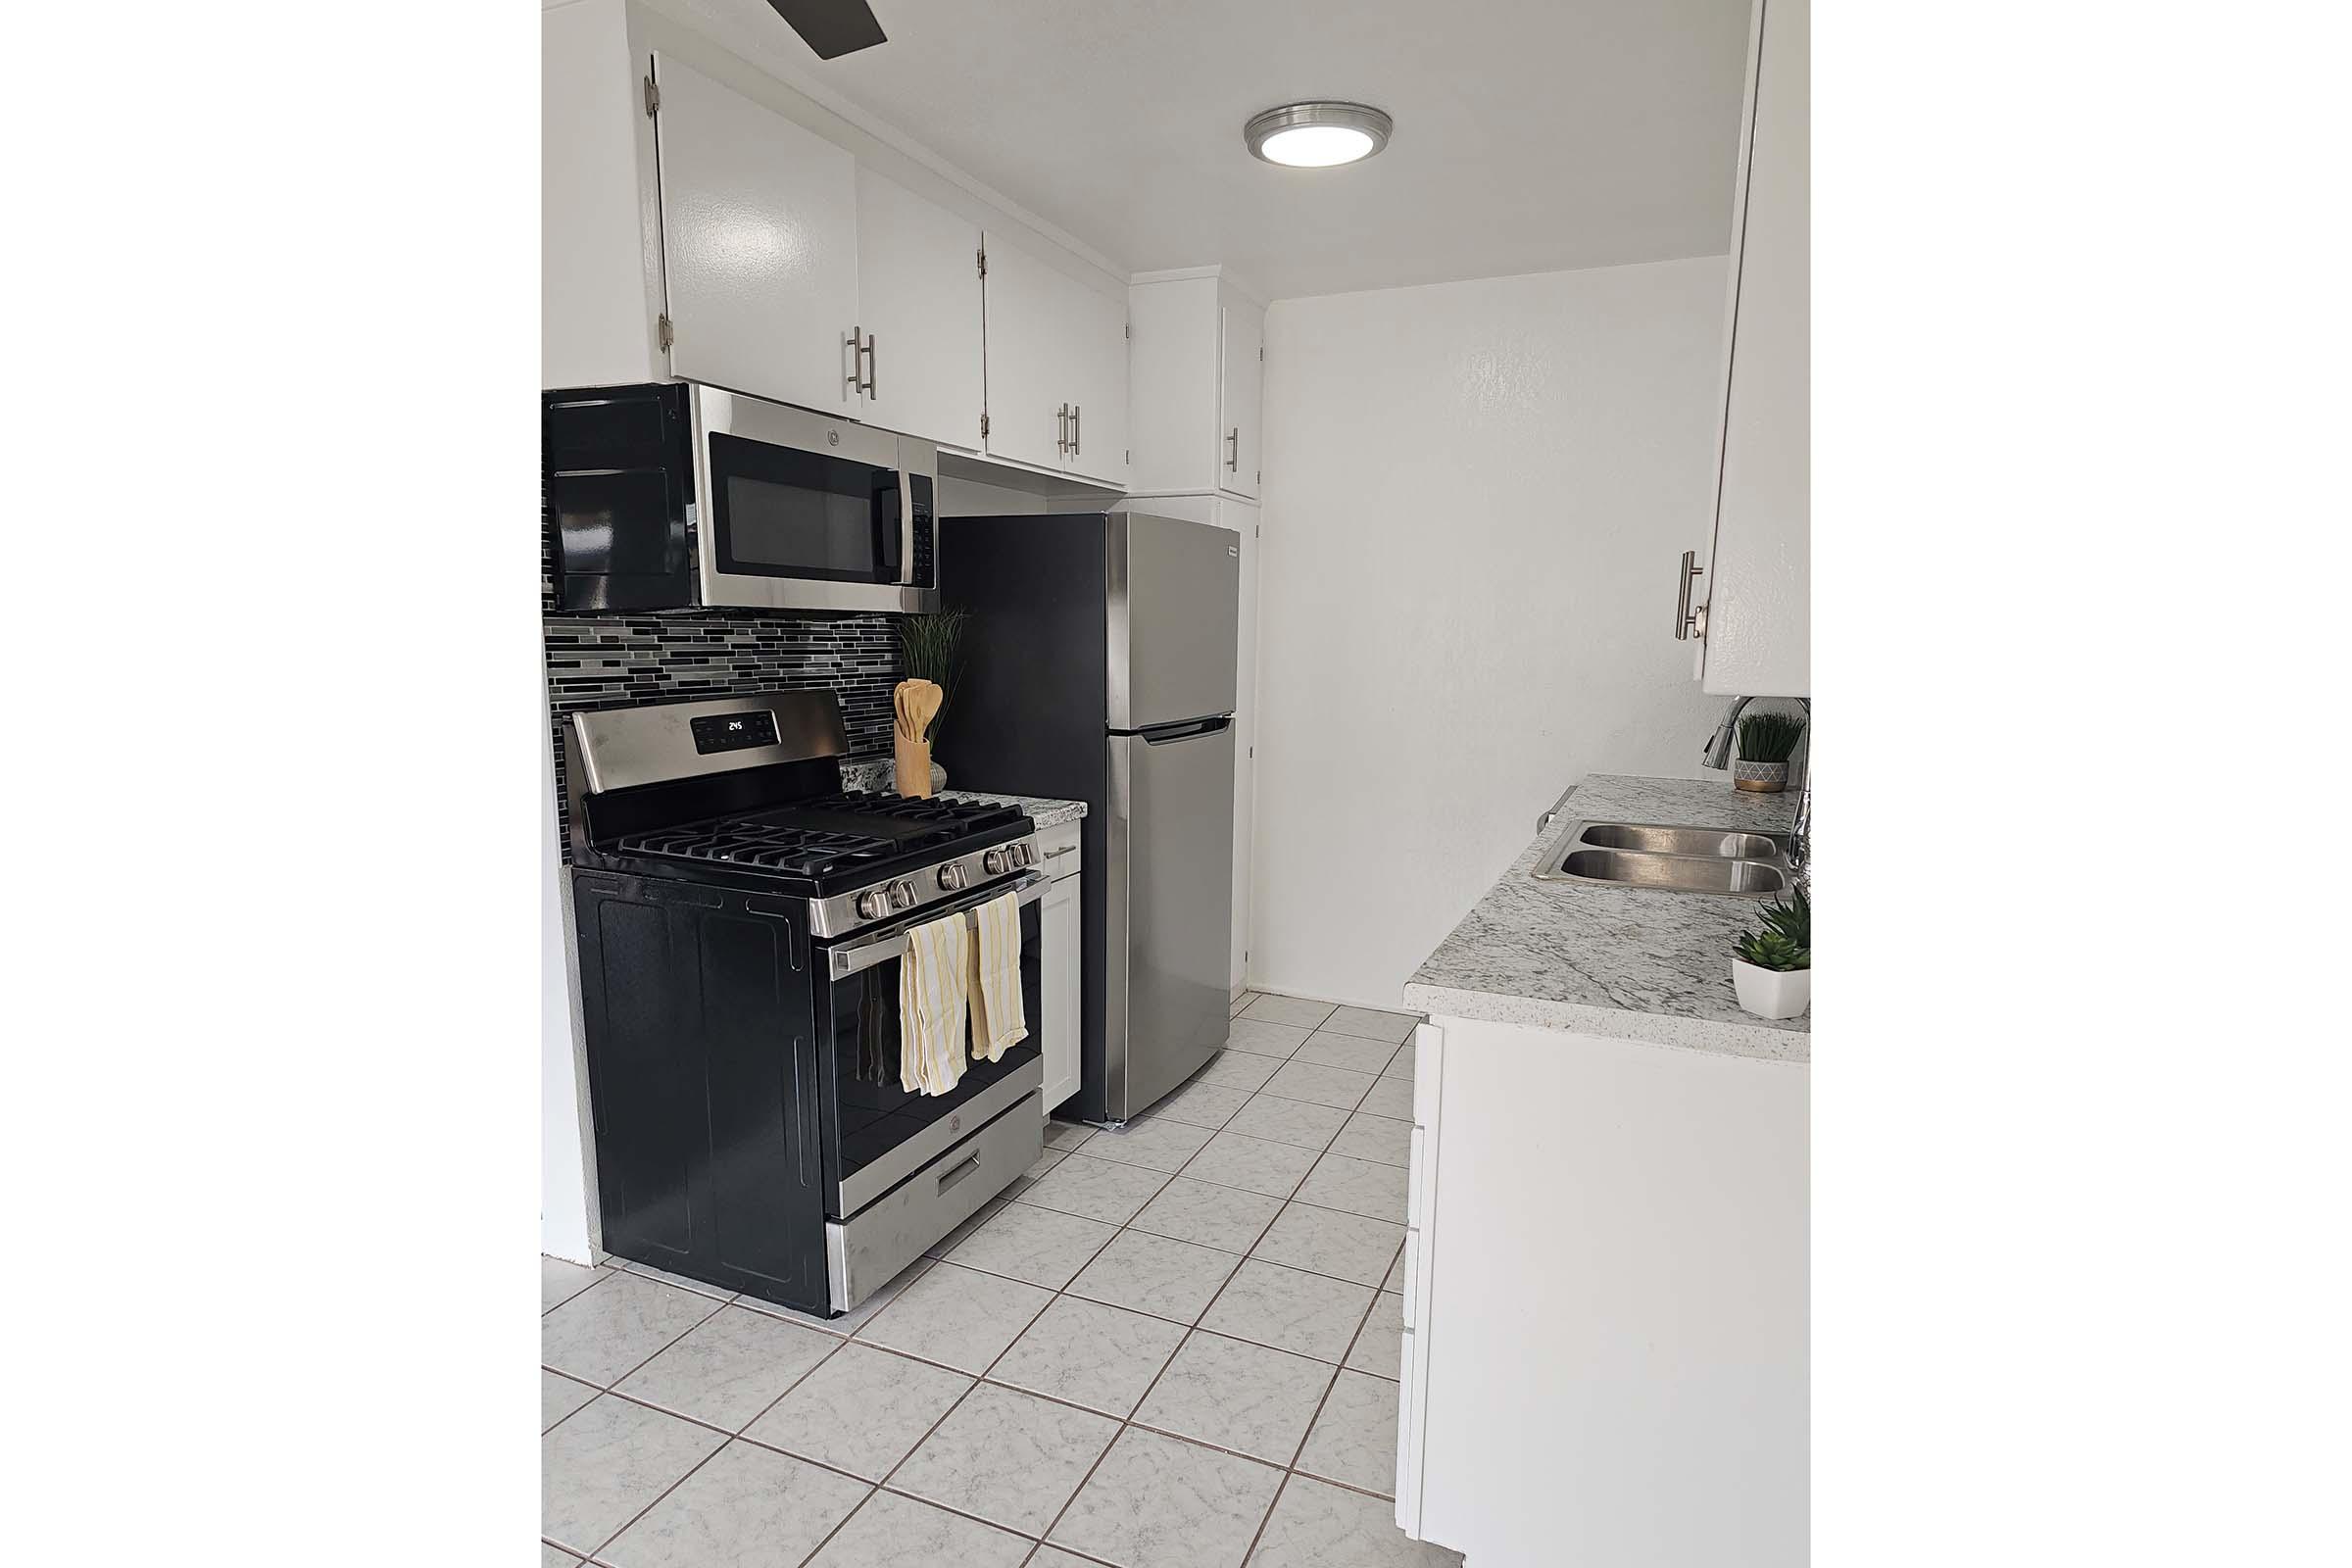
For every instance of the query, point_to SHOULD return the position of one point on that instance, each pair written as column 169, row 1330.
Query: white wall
column 566, row 1198
column 1476, row 498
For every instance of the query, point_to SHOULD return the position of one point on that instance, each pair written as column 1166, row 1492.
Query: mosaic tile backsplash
column 620, row 660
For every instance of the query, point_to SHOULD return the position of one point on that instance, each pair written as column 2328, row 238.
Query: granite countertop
column 881, row 774
column 1630, row 963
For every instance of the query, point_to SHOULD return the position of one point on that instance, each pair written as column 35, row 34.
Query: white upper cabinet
column 758, row 245
column 600, row 302
column 1195, row 371
column 918, row 306
column 1758, row 624
column 1242, row 342
column 1097, row 349
column 693, row 226
column 1056, row 369
column 1028, row 381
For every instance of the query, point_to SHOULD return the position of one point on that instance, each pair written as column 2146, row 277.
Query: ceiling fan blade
column 832, row 28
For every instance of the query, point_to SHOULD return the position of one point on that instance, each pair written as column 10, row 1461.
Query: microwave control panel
column 922, row 574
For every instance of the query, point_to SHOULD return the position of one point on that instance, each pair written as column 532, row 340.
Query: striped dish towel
column 997, row 1024
column 932, row 1006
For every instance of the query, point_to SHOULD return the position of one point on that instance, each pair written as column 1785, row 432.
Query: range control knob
column 995, row 862
column 873, row 903
column 902, row 895
column 952, row 877
column 1028, row 852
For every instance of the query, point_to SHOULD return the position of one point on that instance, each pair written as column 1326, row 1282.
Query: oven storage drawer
column 866, row 1251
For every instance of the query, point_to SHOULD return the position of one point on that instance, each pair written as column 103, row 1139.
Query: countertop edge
column 1707, row 1037
column 880, row 773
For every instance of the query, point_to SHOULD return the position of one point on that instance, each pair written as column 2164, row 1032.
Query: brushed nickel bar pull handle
column 1061, row 429
column 855, row 385
column 873, row 364
column 1686, row 619
column 1232, row 449
column 1077, row 429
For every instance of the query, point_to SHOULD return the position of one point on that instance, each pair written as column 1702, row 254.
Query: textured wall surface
column 1476, row 496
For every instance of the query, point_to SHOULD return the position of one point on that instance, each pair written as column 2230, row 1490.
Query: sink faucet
column 1717, row 755
column 1800, row 833
column 1718, row 752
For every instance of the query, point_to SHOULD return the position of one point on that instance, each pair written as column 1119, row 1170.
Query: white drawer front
column 1057, row 850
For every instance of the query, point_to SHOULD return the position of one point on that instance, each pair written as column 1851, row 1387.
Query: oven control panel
column 732, row 732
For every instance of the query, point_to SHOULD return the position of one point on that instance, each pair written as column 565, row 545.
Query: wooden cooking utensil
column 916, row 701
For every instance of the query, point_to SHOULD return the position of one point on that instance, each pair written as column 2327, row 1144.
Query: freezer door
column 1170, row 910
column 1174, row 589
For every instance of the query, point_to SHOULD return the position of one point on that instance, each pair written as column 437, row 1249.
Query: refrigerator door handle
column 1189, row 729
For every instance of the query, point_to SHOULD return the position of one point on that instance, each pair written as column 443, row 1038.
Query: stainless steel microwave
column 674, row 495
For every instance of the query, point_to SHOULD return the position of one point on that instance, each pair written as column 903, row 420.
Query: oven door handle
column 850, row 958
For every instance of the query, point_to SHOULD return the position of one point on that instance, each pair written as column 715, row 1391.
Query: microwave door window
column 787, row 513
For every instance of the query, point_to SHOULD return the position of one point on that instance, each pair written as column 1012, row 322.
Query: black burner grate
column 776, row 848
column 774, row 845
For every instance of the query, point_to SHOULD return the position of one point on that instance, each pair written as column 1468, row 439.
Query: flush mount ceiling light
column 1317, row 135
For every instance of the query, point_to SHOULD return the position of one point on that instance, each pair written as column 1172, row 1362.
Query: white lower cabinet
column 1605, row 1357
column 1058, row 929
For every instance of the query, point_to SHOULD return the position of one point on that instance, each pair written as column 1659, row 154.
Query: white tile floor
column 1173, row 1346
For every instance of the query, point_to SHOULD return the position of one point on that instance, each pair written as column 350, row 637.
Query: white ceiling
column 1531, row 135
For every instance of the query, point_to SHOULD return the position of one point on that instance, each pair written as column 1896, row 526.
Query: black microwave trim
column 616, row 488
column 734, row 454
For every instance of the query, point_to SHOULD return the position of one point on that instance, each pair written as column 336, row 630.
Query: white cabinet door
column 1098, row 385
column 1058, row 1030
column 596, row 302
column 918, row 303
column 1241, row 517
column 1028, row 357
column 759, row 243
column 1759, row 597
column 1240, row 352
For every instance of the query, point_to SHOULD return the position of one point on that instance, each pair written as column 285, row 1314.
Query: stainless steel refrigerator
column 1098, row 666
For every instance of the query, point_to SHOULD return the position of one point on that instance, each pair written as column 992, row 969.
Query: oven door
column 878, row 1134
column 800, row 512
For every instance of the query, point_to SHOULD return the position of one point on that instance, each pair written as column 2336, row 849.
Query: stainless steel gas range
column 741, row 923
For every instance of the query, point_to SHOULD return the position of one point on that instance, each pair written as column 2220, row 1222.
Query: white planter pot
column 1771, row 992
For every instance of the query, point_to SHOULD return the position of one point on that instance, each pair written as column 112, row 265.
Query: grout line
column 843, row 1523
column 631, row 1522
column 1280, row 1487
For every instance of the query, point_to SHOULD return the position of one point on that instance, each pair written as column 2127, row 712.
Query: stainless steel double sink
column 1672, row 858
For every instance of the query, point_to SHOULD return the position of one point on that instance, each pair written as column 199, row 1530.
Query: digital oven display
column 732, row 732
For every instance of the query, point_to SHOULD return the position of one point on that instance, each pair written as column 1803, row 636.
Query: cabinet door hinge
column 1128, row 456
column 983, row 427
column 983, row 261
column 668, row 334
column 1127, row 330
column 1262, row 356
column 653, row 98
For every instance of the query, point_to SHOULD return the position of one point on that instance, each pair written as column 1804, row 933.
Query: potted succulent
column 1772, row 969
column 1766, row 743
column 932, row 649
